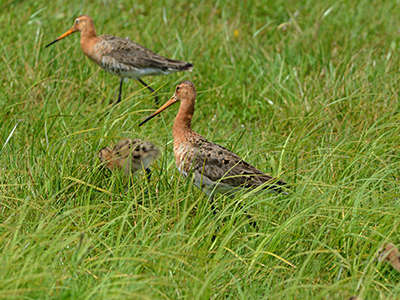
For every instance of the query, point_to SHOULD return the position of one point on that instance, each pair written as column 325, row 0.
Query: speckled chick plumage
column 390, row 254
column 215, row 168
column 129, row 155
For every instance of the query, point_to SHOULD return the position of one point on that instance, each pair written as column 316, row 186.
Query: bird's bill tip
column 165, row 106
column 147, row 119
column 55, row 41
column 71, row 31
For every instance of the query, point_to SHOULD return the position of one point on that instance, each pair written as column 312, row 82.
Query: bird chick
column 129, row 155
column 390, row 254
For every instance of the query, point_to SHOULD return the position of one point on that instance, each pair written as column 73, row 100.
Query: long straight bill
column 71, row 31
column 165, row 106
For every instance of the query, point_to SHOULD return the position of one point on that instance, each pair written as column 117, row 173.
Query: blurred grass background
column 303, row 90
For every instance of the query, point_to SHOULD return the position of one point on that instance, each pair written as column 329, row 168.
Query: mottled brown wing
column 135, row 55
column 216, row 162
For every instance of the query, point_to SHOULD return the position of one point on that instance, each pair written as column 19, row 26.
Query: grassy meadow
column 304, row 90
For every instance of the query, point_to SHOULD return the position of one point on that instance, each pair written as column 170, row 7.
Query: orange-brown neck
column 88, row 41
column 183, row 122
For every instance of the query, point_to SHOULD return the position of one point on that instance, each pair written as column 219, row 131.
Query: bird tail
column 186, row 67
column 178, row 65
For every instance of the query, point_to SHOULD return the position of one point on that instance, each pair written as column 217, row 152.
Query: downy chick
column 129, row 155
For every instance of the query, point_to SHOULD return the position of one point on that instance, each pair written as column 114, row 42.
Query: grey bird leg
column 214, row 211
column 211, row 198
column 150, row 88
column 120, row 91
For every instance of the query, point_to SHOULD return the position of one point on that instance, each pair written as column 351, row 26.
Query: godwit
column 122, row 57
column 129, row 155
column 389, row 253
column 215, row 169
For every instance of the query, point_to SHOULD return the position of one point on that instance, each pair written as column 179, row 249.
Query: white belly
column 122, row 70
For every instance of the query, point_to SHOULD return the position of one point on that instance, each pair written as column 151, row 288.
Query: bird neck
column 88, row 33
column 183, row 121
column 88, row 41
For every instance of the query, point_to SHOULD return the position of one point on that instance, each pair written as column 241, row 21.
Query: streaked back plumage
column 129, row 155
column 125, row 58
column 218, row 168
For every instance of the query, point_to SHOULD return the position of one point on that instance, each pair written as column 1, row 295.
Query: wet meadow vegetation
column 306, row 91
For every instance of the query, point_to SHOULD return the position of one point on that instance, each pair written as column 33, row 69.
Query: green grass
column 307, row 91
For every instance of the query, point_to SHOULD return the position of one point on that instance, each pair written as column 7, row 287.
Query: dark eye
column 76, row 21
column 177, row 88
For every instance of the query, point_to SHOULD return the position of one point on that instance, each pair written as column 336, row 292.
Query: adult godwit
column 389, row 253
column 215, row 168
column 122, row 57
column 130, row 155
